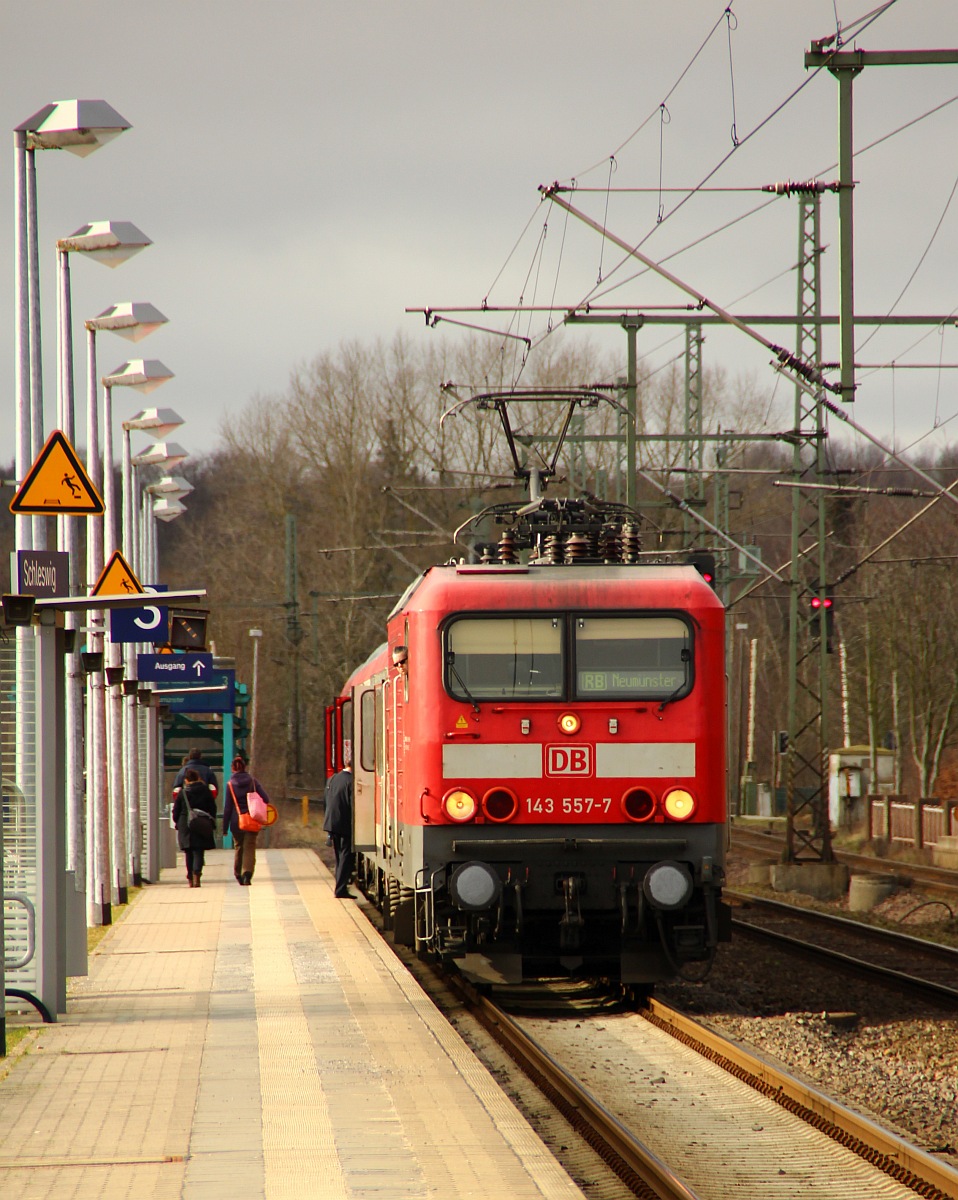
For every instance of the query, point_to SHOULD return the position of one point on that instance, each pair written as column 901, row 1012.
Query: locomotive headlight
column 459, row 805
column 569, row 723
column 475, row 887
column 667, row 885
column 679, row 804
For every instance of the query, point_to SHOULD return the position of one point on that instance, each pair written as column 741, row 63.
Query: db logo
column 568, row 760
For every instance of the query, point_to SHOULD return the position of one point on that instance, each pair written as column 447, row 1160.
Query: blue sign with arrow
column 179, row 669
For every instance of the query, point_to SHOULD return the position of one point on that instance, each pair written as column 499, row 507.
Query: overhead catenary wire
column 918, row 265
column 612, row 157
column 861, row 25
column 759, row 208
column 575, row 184
column 850, row 489
column 785, row 358
column 729, row 18
column 859, row 151
column 683, row 506
column 942, row 494
column 685, row 70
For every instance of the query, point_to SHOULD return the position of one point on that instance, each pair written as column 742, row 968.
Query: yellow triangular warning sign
column 57, row 483
column 462, row 723
column 116, row 579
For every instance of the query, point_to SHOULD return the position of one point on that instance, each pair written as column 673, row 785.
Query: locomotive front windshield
column 635, row 657
column 505, row 658
column 568, row 657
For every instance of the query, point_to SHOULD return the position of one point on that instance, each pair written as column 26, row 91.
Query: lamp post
column 79, row 126
column 133, row 320
column 110, row 243
column 142, row 376
column 168, row 454
column 160, row 502
column 157, row 423
column 161, row 505
column 255, row 634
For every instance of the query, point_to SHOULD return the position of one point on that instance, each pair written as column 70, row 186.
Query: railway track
column 770, row 845
column 919, row 967
column 633, row 1083
column 749, row 1129
column 642, row 1171
column 737, row 1101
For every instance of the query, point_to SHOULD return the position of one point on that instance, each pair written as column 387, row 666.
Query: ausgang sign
column 43, row 573
column 184, row 668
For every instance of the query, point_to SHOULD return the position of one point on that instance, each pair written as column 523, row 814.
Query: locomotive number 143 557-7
column 567, row 805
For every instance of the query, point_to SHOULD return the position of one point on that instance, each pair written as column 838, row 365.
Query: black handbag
column 199, row 822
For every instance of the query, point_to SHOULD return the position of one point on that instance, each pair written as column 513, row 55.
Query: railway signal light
column 822, row 605
column 704, row 563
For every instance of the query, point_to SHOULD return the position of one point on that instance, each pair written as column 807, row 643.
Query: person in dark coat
column 194, row 838
column 338, row 823
column 240, row 785
column 194, row 762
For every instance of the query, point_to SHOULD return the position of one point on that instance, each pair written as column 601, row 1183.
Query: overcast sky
column 307, row 169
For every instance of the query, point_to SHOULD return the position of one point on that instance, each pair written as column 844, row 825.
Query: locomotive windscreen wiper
column 451, row 661
column 669, row 699
column 685, row 655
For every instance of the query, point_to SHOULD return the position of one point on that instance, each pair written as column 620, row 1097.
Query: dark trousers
column 343, row 845
column 194, row 861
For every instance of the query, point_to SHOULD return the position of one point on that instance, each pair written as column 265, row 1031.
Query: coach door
column 364, row 770
column 395, row 720
column 387, row 806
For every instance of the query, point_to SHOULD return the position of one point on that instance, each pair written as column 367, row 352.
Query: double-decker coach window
column 644, row 657
column 504, row 658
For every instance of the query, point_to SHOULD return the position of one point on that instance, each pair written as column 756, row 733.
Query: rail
column 892, row 1154
column 911, row 984
column 942, row 879
column 640, row 1169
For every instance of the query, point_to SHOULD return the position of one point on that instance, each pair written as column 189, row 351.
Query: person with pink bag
column 244, row 815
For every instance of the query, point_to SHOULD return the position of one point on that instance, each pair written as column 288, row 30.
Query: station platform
column 236, row 1042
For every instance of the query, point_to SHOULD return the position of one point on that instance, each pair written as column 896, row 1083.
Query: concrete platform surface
column 233, row 1043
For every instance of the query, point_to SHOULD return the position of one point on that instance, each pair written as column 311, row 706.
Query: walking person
column 240, row 785
column 338, row 823
column 194, row 815
column 194, row 762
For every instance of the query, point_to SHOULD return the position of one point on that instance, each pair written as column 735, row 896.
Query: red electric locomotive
column 539, row 757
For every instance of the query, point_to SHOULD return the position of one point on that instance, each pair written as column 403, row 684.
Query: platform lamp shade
column 18, row 609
